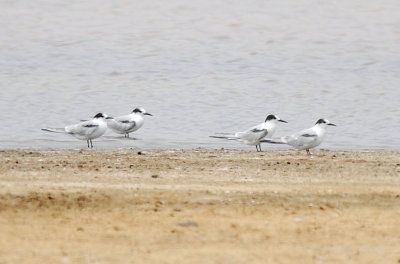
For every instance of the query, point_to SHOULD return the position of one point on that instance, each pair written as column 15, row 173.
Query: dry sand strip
column 199, row 206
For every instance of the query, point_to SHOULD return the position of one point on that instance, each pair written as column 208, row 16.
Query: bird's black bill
column 148, row 114
column 283, row 121
column 330, row 124
column 109, row 117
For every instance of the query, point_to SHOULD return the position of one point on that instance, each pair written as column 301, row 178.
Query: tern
column 255, row 134
column 86, row 130
column 127, row 123
column 307, row 138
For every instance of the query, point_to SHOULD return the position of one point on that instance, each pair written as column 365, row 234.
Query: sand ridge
column 199, row 206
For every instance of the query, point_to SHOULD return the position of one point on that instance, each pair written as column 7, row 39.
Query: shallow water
column 200, row 67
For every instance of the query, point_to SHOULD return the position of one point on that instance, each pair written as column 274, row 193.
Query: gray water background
column 200, row 67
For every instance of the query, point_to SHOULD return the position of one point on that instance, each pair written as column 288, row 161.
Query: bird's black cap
column 99, row 115
column 137, row 110
column 321, row 121
column 270, row 117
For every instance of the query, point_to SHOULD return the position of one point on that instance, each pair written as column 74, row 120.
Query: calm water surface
column 200, row 67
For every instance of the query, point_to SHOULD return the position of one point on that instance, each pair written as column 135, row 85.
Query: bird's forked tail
column 274, row 140
column 54, row 130
column 225, row 136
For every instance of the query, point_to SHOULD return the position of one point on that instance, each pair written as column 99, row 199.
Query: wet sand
column 199, row 206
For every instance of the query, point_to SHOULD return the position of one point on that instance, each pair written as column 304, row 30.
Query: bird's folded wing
column 254, row 134
column 257, row 130
column 126, row 124
column 308, row 135
column 304, row 139
column 84, row 128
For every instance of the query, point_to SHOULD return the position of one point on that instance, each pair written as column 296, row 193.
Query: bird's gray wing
column 257, row 130
column 308, row 135
column 126, row 124
column 253, row 134
column 303, row 138
column 82, row 129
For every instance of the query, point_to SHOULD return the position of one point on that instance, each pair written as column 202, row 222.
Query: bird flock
column 96, row 127
column 262, row 133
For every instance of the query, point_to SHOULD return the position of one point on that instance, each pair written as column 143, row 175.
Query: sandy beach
column 199, row 206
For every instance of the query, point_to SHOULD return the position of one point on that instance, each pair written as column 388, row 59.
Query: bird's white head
column 140, row 111
column 324, row 122
column 274, row 119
